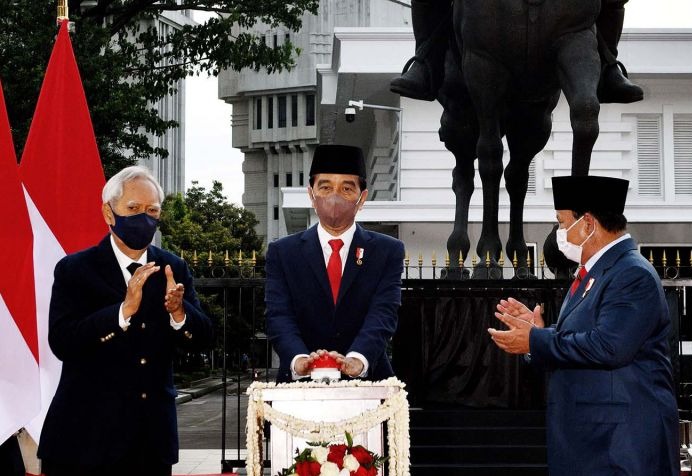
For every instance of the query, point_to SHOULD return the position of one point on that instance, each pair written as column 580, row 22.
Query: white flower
column 320, row 454
column 344, row 472
column 351, row 463
column 329, row 469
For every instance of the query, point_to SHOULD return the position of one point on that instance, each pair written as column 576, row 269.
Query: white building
column 648, row 143
column 276, row 118
column 170, row 172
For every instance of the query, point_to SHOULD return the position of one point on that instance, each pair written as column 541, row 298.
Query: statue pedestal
column 299, row 409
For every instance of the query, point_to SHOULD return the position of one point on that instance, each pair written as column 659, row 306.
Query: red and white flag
column 19, row 380
column 63, row 178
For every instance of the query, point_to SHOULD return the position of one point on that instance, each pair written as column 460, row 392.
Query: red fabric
column 577, row 280
column 60, row 166
column 16, row 241
column 334, row 267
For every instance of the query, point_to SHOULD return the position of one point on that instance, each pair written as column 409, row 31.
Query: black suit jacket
column 116, row 387
column 301, row 314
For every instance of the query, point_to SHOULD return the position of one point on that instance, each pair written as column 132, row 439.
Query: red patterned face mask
column 335, row 211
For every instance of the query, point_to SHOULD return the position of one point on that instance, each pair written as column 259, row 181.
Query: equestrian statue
column 497, row 67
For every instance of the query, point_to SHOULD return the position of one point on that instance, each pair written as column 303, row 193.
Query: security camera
column 350, row 113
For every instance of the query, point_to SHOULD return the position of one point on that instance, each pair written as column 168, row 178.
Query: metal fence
column 233, row 295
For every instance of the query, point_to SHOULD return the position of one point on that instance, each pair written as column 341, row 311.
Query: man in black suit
column 335, row 287
column 118, row 311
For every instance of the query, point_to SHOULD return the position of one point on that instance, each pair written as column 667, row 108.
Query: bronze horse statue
column 512, row 59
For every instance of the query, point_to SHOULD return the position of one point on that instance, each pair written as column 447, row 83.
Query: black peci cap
column 590, row 193
column 338, row 159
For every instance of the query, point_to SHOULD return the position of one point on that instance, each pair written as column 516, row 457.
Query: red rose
column 362, row 471
column 308, row 468
column 336, row 454
column 362, row 455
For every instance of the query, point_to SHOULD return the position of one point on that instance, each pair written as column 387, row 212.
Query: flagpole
column 63, row 13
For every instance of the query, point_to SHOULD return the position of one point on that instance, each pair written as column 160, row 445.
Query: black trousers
column 11, row 463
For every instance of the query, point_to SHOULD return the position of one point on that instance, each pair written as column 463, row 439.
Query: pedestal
column 304, row 410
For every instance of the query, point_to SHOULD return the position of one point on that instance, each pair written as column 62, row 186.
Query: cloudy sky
column 208, row 152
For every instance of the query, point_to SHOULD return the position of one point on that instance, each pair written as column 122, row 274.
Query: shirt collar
column 346, row 237
column 124, row 260
column 592, row 261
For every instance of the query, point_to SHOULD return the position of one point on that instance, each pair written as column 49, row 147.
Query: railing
column 232, row 291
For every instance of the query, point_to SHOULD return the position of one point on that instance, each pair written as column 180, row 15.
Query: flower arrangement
column 337, row 459
column 393, row 409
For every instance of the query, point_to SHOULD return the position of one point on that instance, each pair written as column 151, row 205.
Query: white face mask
column 570, row 250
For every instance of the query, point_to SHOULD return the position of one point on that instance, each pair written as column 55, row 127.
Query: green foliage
column 203, row 220
column 127, row 65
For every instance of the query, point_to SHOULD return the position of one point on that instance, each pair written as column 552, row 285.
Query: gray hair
column 113, row 189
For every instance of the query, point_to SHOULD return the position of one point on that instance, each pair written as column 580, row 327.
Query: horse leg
column 487, row 83
column 528, row 129
column 578, row 72
column 460, row 136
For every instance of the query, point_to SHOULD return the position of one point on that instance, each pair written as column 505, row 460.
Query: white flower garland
column 394, row 409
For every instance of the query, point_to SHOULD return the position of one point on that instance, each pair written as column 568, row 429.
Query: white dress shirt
column 124, row 261
column 324, row 237
column 592, row 261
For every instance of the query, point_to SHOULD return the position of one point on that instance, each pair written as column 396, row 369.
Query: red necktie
column 334, row 267
column 577, row 280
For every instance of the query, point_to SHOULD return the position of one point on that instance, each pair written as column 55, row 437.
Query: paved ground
column 200, row 423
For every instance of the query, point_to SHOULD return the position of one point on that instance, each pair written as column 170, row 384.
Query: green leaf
column 127, row 65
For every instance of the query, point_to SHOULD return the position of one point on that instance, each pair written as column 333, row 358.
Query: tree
column 203, row 220
column 127, row 65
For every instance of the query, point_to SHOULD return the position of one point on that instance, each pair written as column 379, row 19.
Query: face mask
column 136, row 231
column 570, row 250
column 335, row 211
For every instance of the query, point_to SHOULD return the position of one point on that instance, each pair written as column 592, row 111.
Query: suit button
column 144, row 396
column 144, row 325
column 143, row 361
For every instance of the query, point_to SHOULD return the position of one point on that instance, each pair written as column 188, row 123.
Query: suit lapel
column 361, row 239
column 108, row 266
column 596, row 273
column 313, row 255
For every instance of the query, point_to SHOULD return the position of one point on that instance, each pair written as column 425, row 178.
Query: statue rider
column 422, row 75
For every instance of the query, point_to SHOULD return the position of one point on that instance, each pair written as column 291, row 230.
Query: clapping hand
column 520, row 320
column 173, row 300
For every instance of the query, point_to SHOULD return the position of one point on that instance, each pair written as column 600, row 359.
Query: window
column 682, row 152
column 276, row 40
column 276, row 180
column 294, row 110
column 287, row 38
column 276, row 213
column 270, row 112
column 282, row 111
column 258, row 113
column 649, row 156
column 289, row 180
column 310, row 110
column 301, row 179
